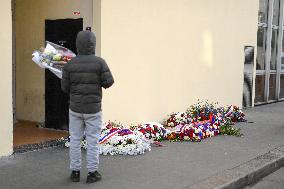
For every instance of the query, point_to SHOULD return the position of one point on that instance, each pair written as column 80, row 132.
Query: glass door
column 269, row 80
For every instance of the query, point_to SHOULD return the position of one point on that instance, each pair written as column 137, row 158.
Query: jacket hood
column 86, row 43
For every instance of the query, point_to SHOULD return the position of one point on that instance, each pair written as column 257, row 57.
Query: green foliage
column 230, row 130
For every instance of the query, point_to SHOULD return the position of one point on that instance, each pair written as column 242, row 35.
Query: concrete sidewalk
column 178, row 165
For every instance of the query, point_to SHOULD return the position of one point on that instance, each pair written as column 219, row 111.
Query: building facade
column 164, row 54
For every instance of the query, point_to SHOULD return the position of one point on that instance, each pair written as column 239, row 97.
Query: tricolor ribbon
column 108, row 136
column 229, row 111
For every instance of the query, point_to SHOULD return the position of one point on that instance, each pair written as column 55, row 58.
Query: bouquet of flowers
column 53, row 57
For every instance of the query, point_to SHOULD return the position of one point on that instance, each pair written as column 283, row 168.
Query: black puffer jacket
column 85, row 75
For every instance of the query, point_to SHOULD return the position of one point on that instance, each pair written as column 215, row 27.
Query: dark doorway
column 62, row 32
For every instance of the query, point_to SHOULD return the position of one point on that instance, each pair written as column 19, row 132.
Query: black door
column 62, row 32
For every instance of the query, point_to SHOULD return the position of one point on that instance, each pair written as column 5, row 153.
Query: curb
column 244, row 174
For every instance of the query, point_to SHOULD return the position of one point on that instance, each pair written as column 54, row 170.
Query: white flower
column 67, row 144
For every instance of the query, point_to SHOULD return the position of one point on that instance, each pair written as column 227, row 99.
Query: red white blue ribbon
column 108, row 136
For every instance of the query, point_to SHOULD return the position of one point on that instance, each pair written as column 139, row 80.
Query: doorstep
column 28, row 137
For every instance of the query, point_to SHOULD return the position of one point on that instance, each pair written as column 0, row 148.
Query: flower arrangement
column 204, row 120
column 200, row 121
column 175, row 119
column 117, row 139
column 202, row 111
column 234, row 114
column 194, row 132
column 128, row 144
column 153, row 131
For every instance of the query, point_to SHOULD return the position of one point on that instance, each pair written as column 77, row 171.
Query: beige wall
column 97, row 24
column 30, row 17
column 6, row 122
column 166, row 54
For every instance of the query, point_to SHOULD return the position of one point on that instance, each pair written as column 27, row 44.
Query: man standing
column 83, row 78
